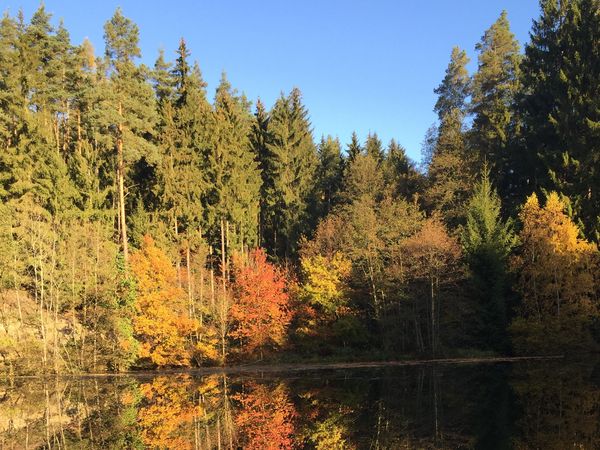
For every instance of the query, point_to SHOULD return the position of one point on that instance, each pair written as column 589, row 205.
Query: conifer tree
column 560, row 108
column 291, row 169
column 374, row 148
column 235, row 177
column 353, row 148
column 494, row 88
column 487, row 242
column 329, row 175
column 130, row 110
column 450, row 172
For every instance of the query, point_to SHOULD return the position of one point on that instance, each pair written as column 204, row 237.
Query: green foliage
column 488, row 242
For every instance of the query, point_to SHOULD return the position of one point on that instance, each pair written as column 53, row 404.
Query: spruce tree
column 235, row 177
column 487, row 242
column 329, row 175
column 560, row 108
column 374, row 147
column 455, row 87
column 292, row 163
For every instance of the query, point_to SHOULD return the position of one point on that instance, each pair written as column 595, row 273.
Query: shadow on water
column 527, row 404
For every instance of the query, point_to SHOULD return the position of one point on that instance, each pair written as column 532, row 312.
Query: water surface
column 528, row 404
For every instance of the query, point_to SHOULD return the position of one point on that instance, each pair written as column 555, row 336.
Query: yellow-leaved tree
column 325, row 282
column 161, row 323
column 556, row 275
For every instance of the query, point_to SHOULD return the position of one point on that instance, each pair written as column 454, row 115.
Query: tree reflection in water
column 550, row 405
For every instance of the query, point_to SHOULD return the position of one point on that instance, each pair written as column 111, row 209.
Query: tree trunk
column 121, row 189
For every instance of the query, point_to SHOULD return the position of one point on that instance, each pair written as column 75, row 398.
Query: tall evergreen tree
column 235, row 177
column 494, row 88
column 560, row 108
column 329, row 175
column 131, row 111
column 455, row 87
column 353, row 148
column 290, row 172
column 449, row 171
column 374, row 147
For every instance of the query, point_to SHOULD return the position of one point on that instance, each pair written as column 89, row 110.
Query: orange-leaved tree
column 161, row 323
column 556, row 274
column 260, row 313
column 266, row 417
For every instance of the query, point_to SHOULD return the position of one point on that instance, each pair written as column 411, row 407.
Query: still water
column 527, row 404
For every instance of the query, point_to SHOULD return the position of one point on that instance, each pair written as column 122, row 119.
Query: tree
column 487, row 242
column 260, row 312
column 289, row 175
column 432, row 259
column 130, row 110
column 494, row 88
column 559, row 109
column 455, row 87
column 161, row 322
column 449, row 159
column 233, row 171
column 374, row 148
column 266, row 417
column 329, row 176
column 325, row 282
column 556, row 276
column 353, row 148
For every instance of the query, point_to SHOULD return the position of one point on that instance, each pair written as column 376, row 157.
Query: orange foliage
column 168, row 413
column 161, row 322
column 260, row 312
column 265, row 421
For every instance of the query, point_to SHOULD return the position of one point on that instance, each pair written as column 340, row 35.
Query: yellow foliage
column 161, row 322
column 556, row 273
column 325, row 281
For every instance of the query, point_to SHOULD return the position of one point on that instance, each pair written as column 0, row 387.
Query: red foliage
column 261, row 312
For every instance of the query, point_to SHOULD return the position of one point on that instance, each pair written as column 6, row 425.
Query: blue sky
column 368, row 66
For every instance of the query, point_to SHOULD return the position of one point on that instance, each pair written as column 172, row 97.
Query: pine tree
column 560, row 108
column 494, row 88
column 487, row 242
column 130, row 110
column 455, row 87
column 449, row 173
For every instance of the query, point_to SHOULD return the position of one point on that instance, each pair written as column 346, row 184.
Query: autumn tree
column 260, row 312
column 266, row 417
column 161, row 322
column 432, row 258
column 556, row 276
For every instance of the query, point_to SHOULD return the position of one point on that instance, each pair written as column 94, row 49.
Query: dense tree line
column 144, row 224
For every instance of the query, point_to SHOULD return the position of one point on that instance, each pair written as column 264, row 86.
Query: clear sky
column 361, row 65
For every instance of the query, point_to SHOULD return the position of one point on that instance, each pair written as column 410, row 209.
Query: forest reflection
column 550, row 405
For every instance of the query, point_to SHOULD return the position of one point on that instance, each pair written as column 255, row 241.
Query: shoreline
column 293, row 367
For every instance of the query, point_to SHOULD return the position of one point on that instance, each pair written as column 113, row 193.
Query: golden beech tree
column 161, row 322
column 260, row 313
column 556, row 272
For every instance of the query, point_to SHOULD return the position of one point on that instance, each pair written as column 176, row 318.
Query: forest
column 147, row 223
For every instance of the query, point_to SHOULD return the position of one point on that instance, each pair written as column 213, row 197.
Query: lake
column 537, row 404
